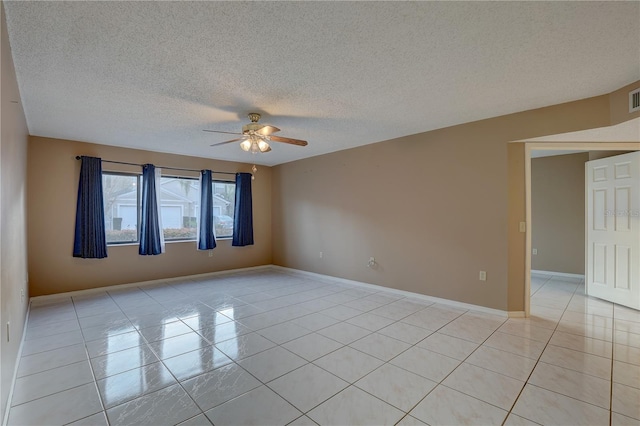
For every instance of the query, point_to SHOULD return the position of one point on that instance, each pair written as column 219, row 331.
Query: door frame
column 555, row 146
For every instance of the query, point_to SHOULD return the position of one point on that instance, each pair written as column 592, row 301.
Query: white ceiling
column 153, row 75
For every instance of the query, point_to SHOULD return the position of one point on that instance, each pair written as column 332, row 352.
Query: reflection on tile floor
column 268, row 348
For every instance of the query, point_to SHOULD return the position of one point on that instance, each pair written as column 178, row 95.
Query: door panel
column 613, row 229
column 623, row 267
column 600, row 264
column 599, row 209
column 623, row 195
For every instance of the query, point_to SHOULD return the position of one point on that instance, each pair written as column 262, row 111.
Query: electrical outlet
column 523, row 226
column 321, row 254
column 22, row 295
column 535, row 251
column 210, row 253
column 483, row 275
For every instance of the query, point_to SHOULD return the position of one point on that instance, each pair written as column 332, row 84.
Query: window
column 179, row 207
column 121, row 212
column 224, row 203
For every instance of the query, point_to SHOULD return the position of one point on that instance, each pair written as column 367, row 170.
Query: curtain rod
column 162, row 167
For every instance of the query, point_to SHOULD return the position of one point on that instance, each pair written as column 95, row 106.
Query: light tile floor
column 274, row 349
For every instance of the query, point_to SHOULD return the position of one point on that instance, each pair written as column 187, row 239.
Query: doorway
column 531, row 147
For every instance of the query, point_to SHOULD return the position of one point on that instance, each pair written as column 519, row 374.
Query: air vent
column 634, row 100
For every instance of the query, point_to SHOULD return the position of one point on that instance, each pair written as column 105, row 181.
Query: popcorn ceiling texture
column 152, row 75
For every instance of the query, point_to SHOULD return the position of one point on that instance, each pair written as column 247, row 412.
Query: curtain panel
column 206, row 237
column 90, row 241
column 151, row 236
column 243, row 215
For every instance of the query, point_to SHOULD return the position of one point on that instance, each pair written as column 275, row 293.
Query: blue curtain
column 90, row 241
column 151, row 237
column 243, row 215
column 206, row 238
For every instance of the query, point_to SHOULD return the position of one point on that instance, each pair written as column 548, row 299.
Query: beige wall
column 433, row 208
column 619, row 101
column 595, row 155
column 557, row 210
column 52, row 192
column 13, row 231
column 516, row 213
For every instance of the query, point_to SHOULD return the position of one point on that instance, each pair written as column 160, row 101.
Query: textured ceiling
column 153, row 75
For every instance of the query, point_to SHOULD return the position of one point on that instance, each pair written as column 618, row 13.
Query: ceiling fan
column 255, row 137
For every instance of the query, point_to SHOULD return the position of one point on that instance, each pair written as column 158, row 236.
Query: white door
column 613, row 229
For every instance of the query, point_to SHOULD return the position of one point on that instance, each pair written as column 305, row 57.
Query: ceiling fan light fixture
column 255, row 144
column 256, row 137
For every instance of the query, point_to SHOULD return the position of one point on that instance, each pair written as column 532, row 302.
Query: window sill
column 166, row 242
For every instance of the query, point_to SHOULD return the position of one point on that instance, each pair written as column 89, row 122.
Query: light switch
column 523, row 226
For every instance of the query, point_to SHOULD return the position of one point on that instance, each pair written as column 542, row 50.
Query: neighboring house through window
column 179, row 207
column 121, row 207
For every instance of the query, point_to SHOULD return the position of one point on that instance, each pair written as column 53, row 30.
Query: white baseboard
column 5, row 420
column 52, row 297
column 558, row 274
column 452, row 303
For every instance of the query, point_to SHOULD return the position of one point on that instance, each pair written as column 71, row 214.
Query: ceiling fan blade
column 288, row 140
column 220, row 131
column 266, row 130
column 226, row 142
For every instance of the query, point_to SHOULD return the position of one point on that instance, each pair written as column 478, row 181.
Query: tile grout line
column 93, row 375
column 338, row 304
column 277, row 345
column 440, row 383
column 162, row 361
column 370, row 332
column 613, row 346
column 349, row 384
column 384, row 362
column 151, row 349
column 213, row 345
column 515, row 401
column 91, row 366
column 178, row 382
column 236, row 363
column 547, row 344
column 444, row 378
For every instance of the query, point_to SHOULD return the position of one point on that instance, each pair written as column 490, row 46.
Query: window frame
column 138, row 177
column 214, row 181
column 138, row 206
column 180, row 239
